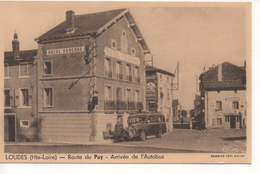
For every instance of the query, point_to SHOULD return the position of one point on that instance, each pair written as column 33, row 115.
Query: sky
column 195, row 36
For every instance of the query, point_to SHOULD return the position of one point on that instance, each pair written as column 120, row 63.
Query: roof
column 154, row 69
column 233, row 77
column 94, row 23
column 24, row 54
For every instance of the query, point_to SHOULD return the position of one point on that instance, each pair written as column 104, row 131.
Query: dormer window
column 124, row 42
column 132, row 51
column 113, row 44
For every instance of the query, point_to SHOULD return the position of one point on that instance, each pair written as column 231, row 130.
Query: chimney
column 15, row 44
column 245, row 64
column 220, row 72
column 70, row 21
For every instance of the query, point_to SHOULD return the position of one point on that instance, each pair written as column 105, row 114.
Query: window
column 168, row 94
column 23, row 69
column 133, row 52
column 108, row 93
column 128, row 95
column 137, row 72
column 113, row 44
column 7, row 98
column 24, row 123
column 6, row 73
column 161, row 92
column 137, row 95
column 47, row 68
column 235, row 105
column 128, row 72
column 227, row 119
column 47, row 97
column 161, row 109
column 168, row 111
column 24, row 97
column 219, row 121
column 161, row 77
column 108, row 68
column 124, row 42
column 119, row 74
column 218, row 105
column 168, row 79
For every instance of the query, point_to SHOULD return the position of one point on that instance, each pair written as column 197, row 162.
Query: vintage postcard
column 126, row 82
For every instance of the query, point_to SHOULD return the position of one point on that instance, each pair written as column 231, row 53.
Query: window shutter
column 17, row 97
column 30, row 91
column 12, row 98
column 42, row 98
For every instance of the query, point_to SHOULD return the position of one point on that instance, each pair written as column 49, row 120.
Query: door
column 232, row 122
column 9, row 128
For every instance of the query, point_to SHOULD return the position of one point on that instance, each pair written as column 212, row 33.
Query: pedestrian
column 181, row 121
column 190, row 124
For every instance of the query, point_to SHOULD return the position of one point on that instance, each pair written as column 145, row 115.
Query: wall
column 68, row 69
column 14, row 83
column 164, row 102
column 104, row 40
column 227, row 98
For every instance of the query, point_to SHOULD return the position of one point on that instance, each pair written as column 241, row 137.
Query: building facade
column 20, row 112
column 223, row 96
column 159, row 96
column 90, row 73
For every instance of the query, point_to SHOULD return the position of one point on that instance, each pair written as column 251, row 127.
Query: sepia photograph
column 103, row 82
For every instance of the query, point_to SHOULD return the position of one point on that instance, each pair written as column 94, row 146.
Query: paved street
column 178, row 141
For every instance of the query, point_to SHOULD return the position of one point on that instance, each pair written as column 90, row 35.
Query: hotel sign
column 232, row 98
column 122, row 56
column 65, row 50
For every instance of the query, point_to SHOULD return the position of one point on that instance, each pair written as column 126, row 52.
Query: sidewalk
column 105, row 142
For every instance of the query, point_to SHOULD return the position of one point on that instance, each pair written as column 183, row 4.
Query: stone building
column 223, row 96
column 20, row 112
column 90, row 72
column 159, row 93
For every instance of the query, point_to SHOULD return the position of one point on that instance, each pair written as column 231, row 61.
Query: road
column 178, row 141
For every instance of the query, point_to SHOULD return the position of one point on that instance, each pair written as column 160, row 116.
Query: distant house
column 90, row 72
column 223, row 94
column 20, row 114
column 197, row 107
column 159, row 88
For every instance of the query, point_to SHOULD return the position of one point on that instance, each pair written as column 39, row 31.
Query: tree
column 192, row 113
column 184, row 113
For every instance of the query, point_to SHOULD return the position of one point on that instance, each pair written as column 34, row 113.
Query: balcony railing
column 109, row 105
column 137, row 79
column 122, row 105
column 129, row 78
column 130, row 105
column 119, row 76
column 139, row 106
column 108, row 74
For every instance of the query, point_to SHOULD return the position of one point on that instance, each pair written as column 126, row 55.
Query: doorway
column 9, row 128
column 232, row 122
